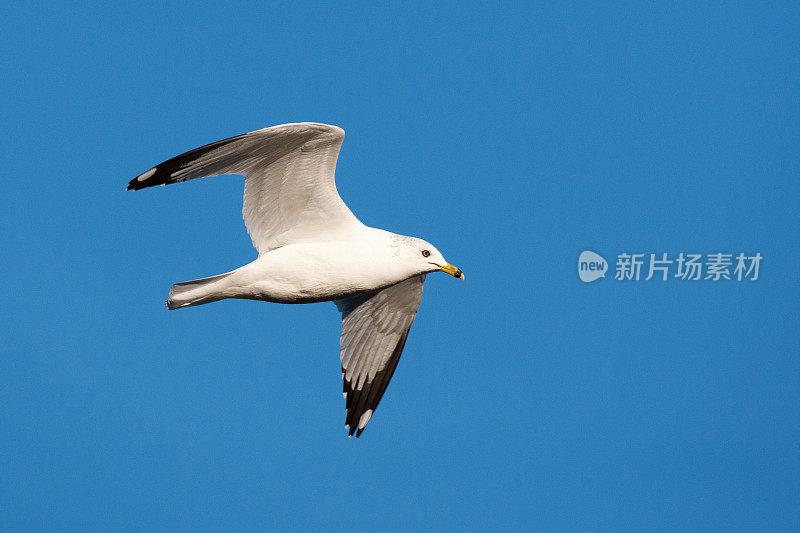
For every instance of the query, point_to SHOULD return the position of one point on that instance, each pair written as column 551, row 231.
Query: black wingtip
column 354, row 430
column 163, row 173
column 135, row 184
column 154, row 176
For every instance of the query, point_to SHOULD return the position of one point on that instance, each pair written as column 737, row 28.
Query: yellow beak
column 450, row 269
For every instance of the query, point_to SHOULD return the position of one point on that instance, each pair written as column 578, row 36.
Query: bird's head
column 427, row 258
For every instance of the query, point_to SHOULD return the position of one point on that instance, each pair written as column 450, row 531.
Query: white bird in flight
column 311, row 248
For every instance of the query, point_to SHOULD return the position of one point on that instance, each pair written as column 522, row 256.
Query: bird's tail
column 196, row 292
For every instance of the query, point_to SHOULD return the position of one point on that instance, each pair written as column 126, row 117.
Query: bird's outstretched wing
column 374, row 332
column 289, row 193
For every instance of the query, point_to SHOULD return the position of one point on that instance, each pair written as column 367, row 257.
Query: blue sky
column 513, row 138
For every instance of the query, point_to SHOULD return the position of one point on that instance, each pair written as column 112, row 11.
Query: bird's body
column 305, row 272
column 312, row 249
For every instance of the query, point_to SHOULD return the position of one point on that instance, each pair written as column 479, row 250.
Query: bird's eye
column 425, row 253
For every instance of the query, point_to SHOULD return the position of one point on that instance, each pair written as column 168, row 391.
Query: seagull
column 312, row 248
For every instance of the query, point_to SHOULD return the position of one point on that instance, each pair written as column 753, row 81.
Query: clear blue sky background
column 512, row 138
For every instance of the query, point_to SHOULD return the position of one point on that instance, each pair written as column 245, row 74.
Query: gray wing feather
column 374, row 331
column 290, row 191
